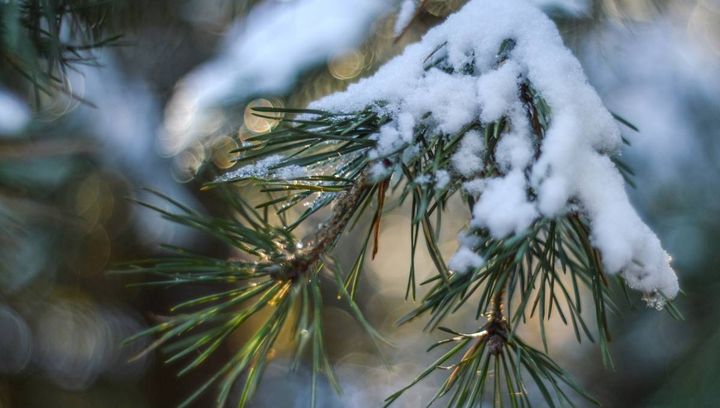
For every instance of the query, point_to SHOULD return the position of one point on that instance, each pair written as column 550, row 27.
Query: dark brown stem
column 533, row 115
column 497, row 327
column 496, row 307
column 342, row 213
column 328, row 234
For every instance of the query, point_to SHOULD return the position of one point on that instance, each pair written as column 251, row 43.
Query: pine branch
column 284, row 279
column 339, row 159
column 40, row 40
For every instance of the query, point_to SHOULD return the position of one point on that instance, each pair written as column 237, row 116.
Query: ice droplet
column 655, row 300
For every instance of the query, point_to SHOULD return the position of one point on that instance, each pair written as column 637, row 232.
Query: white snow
column 422, row 179
column 503, row 207
column 572, row 161
column 263, row 169
column 442, row 179
column 468, row 159
column 263, row 54
column 378, row 171
column 515, row 150
column 475, row 187
column 569, row 7
column 14, row 114
column 465, row 260
column 404, row 16
column 497, row 91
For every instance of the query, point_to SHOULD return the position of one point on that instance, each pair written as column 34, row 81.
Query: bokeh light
column 53, row 107
column 637, row 10
column 77, row 341
column 15, row 342
column 256, row 121
column 222, row 155
column 185, row 165
column 94, row 201
column 179, row 114
column 348, row 65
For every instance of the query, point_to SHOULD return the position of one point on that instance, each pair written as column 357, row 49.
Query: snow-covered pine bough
column 489, row 107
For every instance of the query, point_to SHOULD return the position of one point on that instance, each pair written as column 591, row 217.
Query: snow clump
column 568, row 168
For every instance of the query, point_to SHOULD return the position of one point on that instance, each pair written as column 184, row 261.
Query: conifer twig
column 326, row 237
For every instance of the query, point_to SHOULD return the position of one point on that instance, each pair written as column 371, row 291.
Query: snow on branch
column 407, row 11
column 264, row 54
column 573, row 8
column 455, row 76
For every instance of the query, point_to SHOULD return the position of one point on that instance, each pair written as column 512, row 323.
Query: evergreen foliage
column 320, row 158
column 41, row 39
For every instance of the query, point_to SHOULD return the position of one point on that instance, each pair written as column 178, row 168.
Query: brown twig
column 382, row 189
column 327, row 235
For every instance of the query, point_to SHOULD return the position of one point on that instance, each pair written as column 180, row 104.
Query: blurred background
column 161, row 107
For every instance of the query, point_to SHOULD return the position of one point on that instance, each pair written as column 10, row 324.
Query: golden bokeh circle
column 254, row 121
column 347, row 66
column 222, row 152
